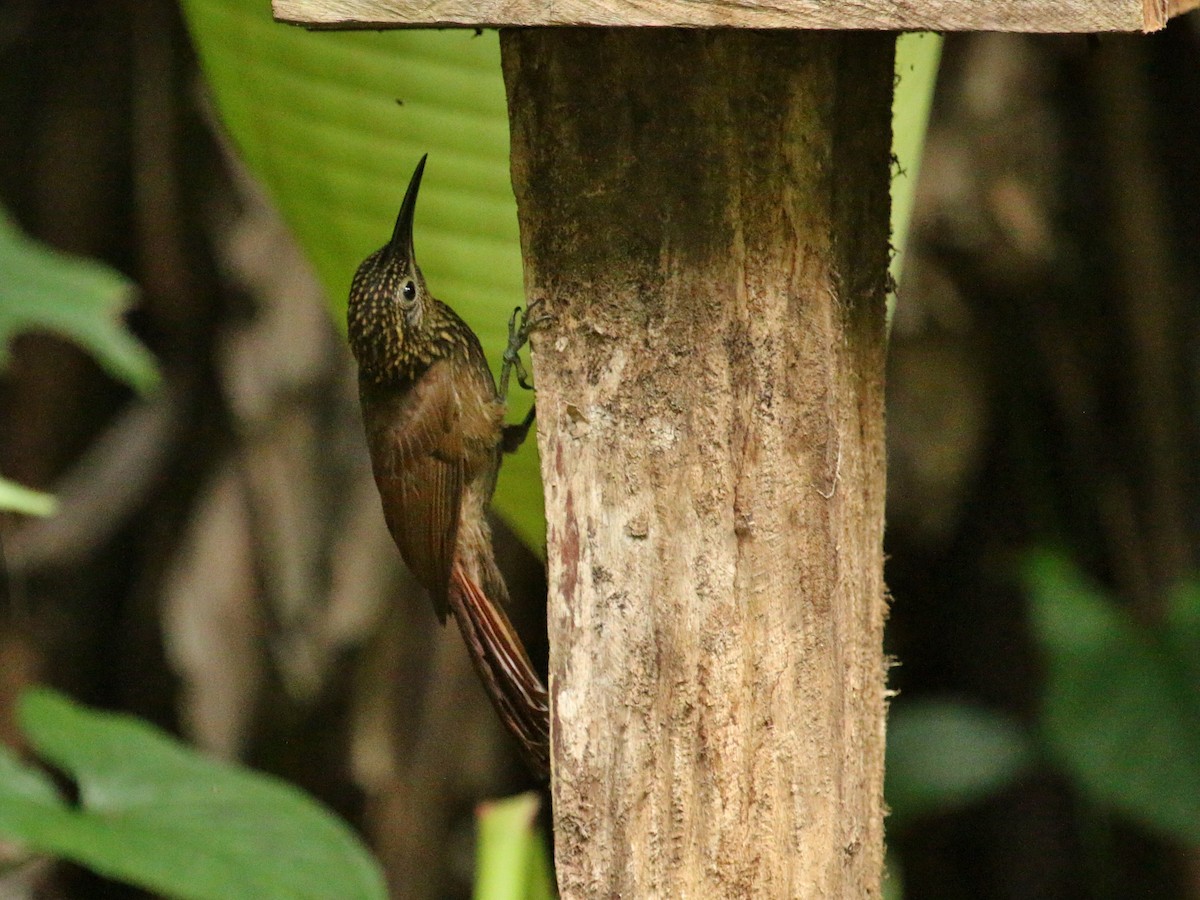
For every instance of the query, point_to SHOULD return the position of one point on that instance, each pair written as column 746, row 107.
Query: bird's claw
column 520, row 325
column 523, row 323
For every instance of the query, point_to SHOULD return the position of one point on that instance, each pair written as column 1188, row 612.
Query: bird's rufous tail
column 503, row 665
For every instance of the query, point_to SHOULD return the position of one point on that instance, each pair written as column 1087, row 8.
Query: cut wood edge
column 1174, row 8
column 1064, row 16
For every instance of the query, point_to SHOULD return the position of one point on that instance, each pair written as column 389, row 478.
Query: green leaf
column 1119, row 712
column 893, row 877
column 1183, row 631
column 158, row 815
column 511, row 859
column 43, row 289
column 918, row 56
column 942, row 755
column 15, row 498
column 333, row 124
column 20, row 783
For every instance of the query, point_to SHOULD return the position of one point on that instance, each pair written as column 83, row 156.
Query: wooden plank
column 707, row 231
column 899, row 15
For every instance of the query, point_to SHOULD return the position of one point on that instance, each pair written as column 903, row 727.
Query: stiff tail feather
column 500, row 660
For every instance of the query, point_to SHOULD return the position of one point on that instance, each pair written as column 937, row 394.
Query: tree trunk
column 705, row 216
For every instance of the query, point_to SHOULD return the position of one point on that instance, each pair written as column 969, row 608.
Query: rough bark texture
column 913, row 15
column 705, row 217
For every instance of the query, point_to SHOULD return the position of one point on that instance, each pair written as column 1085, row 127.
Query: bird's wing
column 420, row 467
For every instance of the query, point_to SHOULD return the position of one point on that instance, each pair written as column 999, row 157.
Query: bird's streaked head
column 388, row 298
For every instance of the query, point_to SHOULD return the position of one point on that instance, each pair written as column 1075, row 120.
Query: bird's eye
column 410, row 290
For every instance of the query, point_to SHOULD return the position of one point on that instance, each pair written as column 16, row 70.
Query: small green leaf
column 893, row 877
column 1119, row 713
column 157, row 814
column 1183, row 631
column 15, row 498
column 918, row 56
column 20, row 783
column 942, row 755
column 43, row 289
column 31, row 811
column 511, row 858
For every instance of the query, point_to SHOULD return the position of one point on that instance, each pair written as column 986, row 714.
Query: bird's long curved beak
column 402, row 235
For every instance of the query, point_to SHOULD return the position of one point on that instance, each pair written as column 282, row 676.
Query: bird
column 436, row 433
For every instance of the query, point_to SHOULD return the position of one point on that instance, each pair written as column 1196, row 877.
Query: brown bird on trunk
column 435, row 430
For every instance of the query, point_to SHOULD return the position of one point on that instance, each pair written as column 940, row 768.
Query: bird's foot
column 521, row 324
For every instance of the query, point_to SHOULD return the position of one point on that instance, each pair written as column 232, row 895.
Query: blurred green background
column 217, row 564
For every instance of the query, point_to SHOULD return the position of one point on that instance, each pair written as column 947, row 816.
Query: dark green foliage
column 1121, row 707
column 157, row 814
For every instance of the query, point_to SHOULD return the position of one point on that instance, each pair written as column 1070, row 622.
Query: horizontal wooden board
column 900, row 15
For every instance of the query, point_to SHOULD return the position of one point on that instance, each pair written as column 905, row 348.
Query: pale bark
column 704, row 215
column 912, row 15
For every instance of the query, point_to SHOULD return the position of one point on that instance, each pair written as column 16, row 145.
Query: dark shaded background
column 1042, row 392
column 220, row 566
